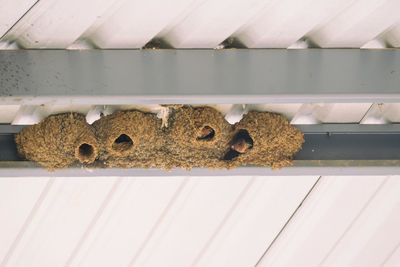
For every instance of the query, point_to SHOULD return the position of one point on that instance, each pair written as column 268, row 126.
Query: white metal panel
column 203, row 210
column 325, row 216
column 288, row 110
column 19, row 198
column 203, row 221
column 377, row 43
column 63, row 216
column 382, row 113
column 382, row 242
column 56, row 23
column 197, row 23
column 130, row 218
column 197, row 214
column 212, row 22
column 194, row 4
column 374, row 234
column 135, row 23
column 358, row 24
column 256, row 221
column 12, row 11
column 8, row 45
column 393, row 259
column 27, row 115
column 331, row 113
column 8, row 112
column 392, row 36
column 285, row 22
column 174, row 221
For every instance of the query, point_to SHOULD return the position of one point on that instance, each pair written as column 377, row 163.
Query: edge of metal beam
column 300, row 168
column 348, row 128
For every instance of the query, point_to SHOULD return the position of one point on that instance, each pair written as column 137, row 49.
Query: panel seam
column 12, row 27
column 287, row 222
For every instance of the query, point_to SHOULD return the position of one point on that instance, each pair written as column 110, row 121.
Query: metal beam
column 35, row 77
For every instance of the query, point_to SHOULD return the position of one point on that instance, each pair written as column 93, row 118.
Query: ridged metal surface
column 345, row 221
column 162, row 221
column 91, row 24
column 200, row 221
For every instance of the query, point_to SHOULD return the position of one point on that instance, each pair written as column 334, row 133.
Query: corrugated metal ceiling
column 200, row 221
column 77, row 24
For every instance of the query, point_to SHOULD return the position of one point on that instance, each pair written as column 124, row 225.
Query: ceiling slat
column 372, row 236
column 11, row 12
column 328, row 213
column 134, row 23
column 56, row 23
column 361, row 22
column 212, row 22
column 285, row 22
column 19, row 198
column 128, row 221
column 59, row 222
column 256, row 221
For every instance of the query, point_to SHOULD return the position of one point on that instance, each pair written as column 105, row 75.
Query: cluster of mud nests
column 193, row 137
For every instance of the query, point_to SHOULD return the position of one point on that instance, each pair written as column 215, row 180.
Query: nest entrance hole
column 240, row 144
column 86, row 150
column 86, row 153
column 207, row 133
column 122, row 143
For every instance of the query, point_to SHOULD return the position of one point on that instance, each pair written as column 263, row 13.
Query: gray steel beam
column 35, row 77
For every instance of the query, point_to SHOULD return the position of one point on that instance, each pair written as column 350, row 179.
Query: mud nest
column 198, row 137
column 264, row 139
column 58, row 141
column 131, row 139
column 194, row 137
